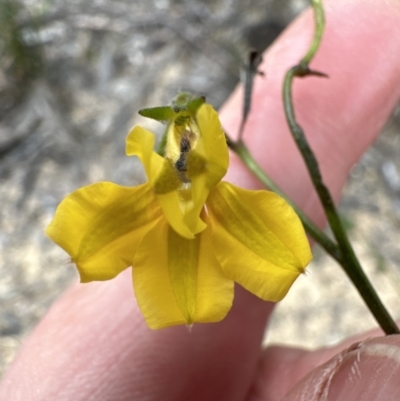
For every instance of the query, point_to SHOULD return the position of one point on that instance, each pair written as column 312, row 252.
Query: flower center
column 183, row 159
column 182, row 139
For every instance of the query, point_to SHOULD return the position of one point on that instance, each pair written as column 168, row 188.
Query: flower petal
column 140, row 142
column 162, row 177
column 212, row 145
column 101, row 225
column 214, row 289
column 212, row 151
column 179, row 281
column 258, row 239
column 159, row 171
column 198, row 195
column 172, row 208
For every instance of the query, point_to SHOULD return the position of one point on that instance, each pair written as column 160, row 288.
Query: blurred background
column 73, row 75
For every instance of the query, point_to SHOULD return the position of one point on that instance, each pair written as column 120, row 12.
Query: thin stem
column 319, row 20
column 248, row 73
column 348, row 258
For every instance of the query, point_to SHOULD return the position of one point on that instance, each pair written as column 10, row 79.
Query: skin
column 93, row 343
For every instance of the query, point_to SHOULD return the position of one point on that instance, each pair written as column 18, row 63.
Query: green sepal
column 163, row 143
column 162, row 114
column 184, row 101
column 195, row 104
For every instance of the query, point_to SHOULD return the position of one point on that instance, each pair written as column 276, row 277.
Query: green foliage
column 162, row 114
column 16, row 57
column 183, row 106
column 183, row 101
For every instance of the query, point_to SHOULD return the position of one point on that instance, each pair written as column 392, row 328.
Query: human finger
column 367, row 370
column 281, row 368
column 341, row 115
column 104, row 351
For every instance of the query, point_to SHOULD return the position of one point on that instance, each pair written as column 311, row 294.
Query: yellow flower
column 187, row 235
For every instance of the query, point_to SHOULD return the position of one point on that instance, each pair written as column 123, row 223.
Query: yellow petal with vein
column 101, row 225
column 179, row 281
column 198, row 195
column 140, row 143
column 174, row 213
column 212, row 146
column 162, row 177
column 210, row 155
column 258, row 239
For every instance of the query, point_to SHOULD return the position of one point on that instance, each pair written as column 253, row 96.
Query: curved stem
column 348, row 259
column 319, row 20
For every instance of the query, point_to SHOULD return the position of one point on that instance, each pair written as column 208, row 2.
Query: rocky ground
column 69, row 89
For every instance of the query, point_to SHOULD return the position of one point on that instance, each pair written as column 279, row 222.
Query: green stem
column 348, row 259
column 319, row 20
column 241, row 150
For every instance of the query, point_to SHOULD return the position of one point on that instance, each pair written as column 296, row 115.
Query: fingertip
column 367, row 371
column 341, row 116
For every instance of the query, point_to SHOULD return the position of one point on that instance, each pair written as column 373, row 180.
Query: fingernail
column 366, row 371
column 369, row 371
